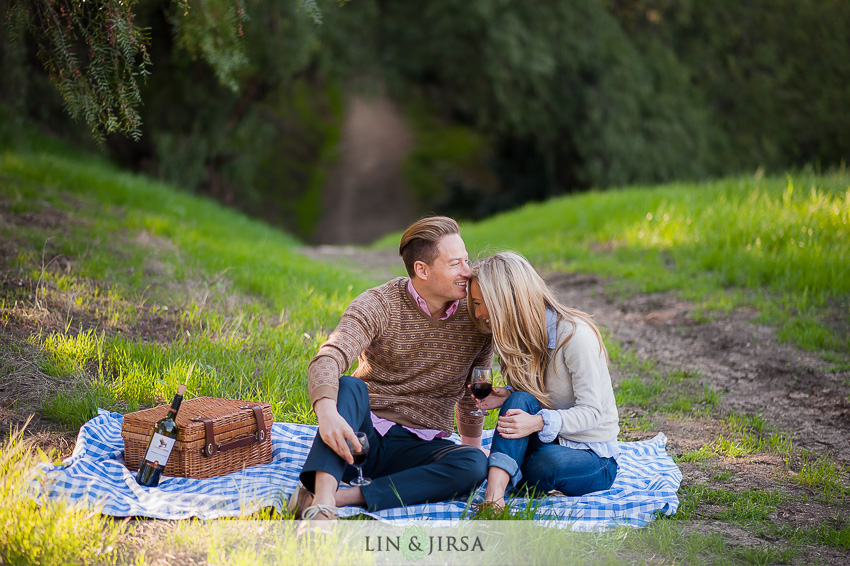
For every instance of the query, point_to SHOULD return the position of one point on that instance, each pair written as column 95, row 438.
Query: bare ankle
column 326, row 489
column 351, row 496
column 494, row 498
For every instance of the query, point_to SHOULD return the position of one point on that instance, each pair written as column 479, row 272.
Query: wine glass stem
column 360, row 474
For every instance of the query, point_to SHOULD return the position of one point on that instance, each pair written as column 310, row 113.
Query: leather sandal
column 320, row 513
column 299, row 501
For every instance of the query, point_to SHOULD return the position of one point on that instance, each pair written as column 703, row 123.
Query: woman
column 558, row 422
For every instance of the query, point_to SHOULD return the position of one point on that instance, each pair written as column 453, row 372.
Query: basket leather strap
column 211, row 448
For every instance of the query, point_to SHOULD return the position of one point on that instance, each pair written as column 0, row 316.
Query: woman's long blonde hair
column 516, row 298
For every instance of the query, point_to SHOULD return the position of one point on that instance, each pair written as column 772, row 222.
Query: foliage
column 566, row 98
column 213, row 31
column 93, row 52
column 535, row 99
column 261, row 148
column 96, row 53
column 773, row 72
column 53, row 532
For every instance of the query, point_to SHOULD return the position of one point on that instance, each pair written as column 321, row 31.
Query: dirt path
column 793, row 390
column 365, row 195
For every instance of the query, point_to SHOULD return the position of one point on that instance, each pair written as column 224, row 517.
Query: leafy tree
column 93, row 53
column 774, row 73
column 510, row 101
column 567, row 98
column 97, row 55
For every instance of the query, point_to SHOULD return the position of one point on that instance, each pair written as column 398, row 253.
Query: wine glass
column 360, row 457
column 482, row 386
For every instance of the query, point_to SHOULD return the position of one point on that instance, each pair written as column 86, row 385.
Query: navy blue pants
column 405, row 469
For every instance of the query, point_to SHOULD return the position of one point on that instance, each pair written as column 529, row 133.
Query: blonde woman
column 558, row 420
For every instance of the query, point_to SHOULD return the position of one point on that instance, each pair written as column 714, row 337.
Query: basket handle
column 211, row 448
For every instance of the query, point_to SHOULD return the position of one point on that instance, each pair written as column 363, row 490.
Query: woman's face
column 478, row 305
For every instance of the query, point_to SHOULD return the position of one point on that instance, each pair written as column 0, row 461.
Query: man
column 416, row 344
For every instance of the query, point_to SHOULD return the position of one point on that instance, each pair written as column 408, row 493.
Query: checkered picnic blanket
column 95, row 476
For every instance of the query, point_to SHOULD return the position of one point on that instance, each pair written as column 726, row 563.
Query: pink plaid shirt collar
column 424, row 306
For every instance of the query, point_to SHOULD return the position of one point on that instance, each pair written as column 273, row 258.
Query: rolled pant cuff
column 508, row 464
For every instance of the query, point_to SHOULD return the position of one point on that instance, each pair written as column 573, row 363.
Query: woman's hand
column 516, row 423
column 494, row 400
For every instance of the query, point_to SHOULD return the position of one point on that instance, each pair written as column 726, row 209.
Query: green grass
column 645, row 384
column 761, row 556
column 834, row 533
column 54, row 532
column 134, row 287
column 71, row 409
column 740, row 507
column 744, row 435
column 781, row 244
column 823, row 476
column 239, row 301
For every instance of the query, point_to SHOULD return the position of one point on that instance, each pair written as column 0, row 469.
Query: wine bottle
column 160, row 445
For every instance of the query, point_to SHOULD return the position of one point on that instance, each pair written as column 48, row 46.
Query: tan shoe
column 300, row 500
column 320, row 513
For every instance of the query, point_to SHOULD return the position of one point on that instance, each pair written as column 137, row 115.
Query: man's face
column 448, row 275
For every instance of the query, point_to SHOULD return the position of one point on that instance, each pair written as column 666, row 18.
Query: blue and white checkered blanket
column 96, row 477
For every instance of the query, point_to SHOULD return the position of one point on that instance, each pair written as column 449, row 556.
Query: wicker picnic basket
column 216, row 437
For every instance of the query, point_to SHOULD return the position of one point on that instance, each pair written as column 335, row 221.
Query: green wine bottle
column 160, row 445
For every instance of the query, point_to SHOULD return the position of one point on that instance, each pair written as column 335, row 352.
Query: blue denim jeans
column 405, row 470
column 544, row 467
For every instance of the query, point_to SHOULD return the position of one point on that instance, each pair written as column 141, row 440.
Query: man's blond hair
column 421, row 241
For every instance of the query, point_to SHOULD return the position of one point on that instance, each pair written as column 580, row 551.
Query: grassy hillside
column 116, row 288
column 781, row 245
column 130, row 282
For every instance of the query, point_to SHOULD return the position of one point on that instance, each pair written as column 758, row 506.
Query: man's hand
column 516, row 423
column 334, row 430
column 494, row 400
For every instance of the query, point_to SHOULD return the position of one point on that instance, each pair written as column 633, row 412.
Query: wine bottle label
column 160, row 449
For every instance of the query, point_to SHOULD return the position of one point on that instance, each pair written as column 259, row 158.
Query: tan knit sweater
column 415, row 367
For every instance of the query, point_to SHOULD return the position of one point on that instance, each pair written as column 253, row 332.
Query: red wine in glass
column 360, row 457
column 482, row 386
column 481, row 390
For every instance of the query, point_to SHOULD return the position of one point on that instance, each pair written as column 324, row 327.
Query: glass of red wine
column 482, row 386
column 360, row 457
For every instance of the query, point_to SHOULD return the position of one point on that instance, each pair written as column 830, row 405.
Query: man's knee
column 352, row 386
column 471, row 466
column 520, row 400
column 352, row 401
